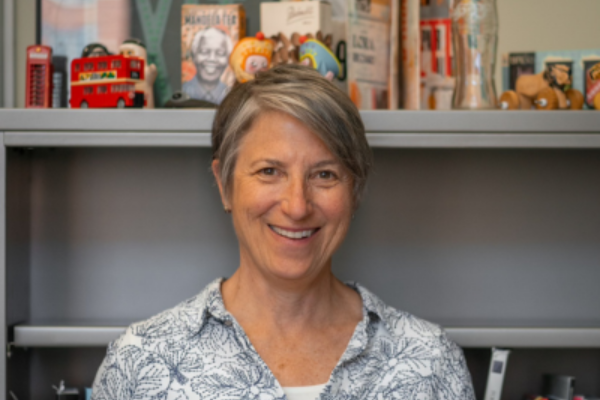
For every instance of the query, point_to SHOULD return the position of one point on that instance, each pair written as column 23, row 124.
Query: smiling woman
column 291, row 160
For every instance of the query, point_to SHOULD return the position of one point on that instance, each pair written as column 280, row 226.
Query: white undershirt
column 304, row 392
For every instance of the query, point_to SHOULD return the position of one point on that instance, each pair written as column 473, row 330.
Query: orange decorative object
column 251, row 55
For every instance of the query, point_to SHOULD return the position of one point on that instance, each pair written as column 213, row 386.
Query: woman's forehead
column 278, row 136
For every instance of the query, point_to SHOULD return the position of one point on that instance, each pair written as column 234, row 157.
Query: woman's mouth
column 303, row 234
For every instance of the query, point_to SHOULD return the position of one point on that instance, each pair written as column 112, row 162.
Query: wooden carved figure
column 547, row 90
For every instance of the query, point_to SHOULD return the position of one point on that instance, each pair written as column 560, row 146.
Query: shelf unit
column 472, row 204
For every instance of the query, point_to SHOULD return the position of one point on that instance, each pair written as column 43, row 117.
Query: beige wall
column 525, row 25
column 537, row 25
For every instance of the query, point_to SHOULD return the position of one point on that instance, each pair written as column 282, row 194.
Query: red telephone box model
column 107, row 81
column 39, row 77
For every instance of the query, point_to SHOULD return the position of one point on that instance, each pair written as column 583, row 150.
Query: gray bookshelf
column 483, row 222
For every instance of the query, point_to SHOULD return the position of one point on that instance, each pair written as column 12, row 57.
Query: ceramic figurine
column 250, row 56
column 548, row 90
column 316, row 54
column 136, row 48
column 95, row 50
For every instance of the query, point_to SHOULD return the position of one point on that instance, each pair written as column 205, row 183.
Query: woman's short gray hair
column 300, row 92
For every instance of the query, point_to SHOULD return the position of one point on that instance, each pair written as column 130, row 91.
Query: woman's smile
column 295, row 234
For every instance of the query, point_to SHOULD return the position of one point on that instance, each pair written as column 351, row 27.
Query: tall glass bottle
column 475, row 40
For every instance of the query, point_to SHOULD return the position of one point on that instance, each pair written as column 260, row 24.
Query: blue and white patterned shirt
column 198, row 351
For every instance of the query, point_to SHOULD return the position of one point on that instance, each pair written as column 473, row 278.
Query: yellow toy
column 250, row 56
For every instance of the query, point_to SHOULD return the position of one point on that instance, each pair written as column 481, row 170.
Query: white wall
column 525, row 25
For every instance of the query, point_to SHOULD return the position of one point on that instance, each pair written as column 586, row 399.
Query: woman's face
column 291, row 199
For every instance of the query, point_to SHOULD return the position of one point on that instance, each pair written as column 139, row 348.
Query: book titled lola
column 369, row 53
column 208, row 36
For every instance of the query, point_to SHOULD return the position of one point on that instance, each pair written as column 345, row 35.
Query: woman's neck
column 290, row 305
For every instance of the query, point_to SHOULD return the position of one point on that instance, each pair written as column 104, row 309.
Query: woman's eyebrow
column 269, row 161
column 325, row 163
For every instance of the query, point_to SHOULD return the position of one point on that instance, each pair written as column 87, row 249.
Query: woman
column 291, row 161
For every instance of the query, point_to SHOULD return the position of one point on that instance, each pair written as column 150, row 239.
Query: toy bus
column 107, row 81
column 39, row 77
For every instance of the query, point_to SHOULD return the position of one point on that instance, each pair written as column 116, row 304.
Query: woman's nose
column 296, row 202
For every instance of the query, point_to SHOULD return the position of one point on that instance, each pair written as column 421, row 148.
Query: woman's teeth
column 293, row 235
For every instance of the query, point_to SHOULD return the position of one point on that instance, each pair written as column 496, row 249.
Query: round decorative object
column 546, row 99
column 250, row 56
column 510, row 100
column 575, row 99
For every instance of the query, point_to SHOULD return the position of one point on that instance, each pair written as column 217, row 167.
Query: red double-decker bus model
column 107, row 81
column 39, row 77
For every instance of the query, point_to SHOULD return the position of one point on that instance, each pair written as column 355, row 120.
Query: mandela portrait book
column 208, row 36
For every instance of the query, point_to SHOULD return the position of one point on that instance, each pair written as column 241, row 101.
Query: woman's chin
column 293, row 273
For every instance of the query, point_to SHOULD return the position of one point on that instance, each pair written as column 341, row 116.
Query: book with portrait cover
column 208, row 35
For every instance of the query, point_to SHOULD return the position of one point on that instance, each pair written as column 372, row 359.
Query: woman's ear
column 216, row 168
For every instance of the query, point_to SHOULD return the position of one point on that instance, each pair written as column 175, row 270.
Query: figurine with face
column 94, row 50
column 136, row 48
column 250, row 56
column 210, row 48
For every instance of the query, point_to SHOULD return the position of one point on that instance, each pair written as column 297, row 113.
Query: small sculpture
column 95, row 50
column 316, row 54
column 250, row 56
column 548, row 90
column 136, row 48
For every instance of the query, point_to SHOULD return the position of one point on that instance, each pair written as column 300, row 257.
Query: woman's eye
column 326, row 175
column 268, row 171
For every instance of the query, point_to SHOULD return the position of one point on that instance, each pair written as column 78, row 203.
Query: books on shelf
column 411, row 54
column 366, row 29
column 437, row 82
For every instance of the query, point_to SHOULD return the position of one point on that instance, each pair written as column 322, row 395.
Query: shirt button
column 228, row 322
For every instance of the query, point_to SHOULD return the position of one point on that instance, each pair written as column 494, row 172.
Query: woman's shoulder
column 176, row 323
column 399, row 323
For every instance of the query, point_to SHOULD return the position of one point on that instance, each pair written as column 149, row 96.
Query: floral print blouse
column 197, row 350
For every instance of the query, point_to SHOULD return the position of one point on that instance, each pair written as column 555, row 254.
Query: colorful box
column 295, row 17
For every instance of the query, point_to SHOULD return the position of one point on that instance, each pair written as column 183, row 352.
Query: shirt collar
column 194, row 311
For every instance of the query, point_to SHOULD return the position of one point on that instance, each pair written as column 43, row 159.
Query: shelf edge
column 376, row 140
column 100, row 336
